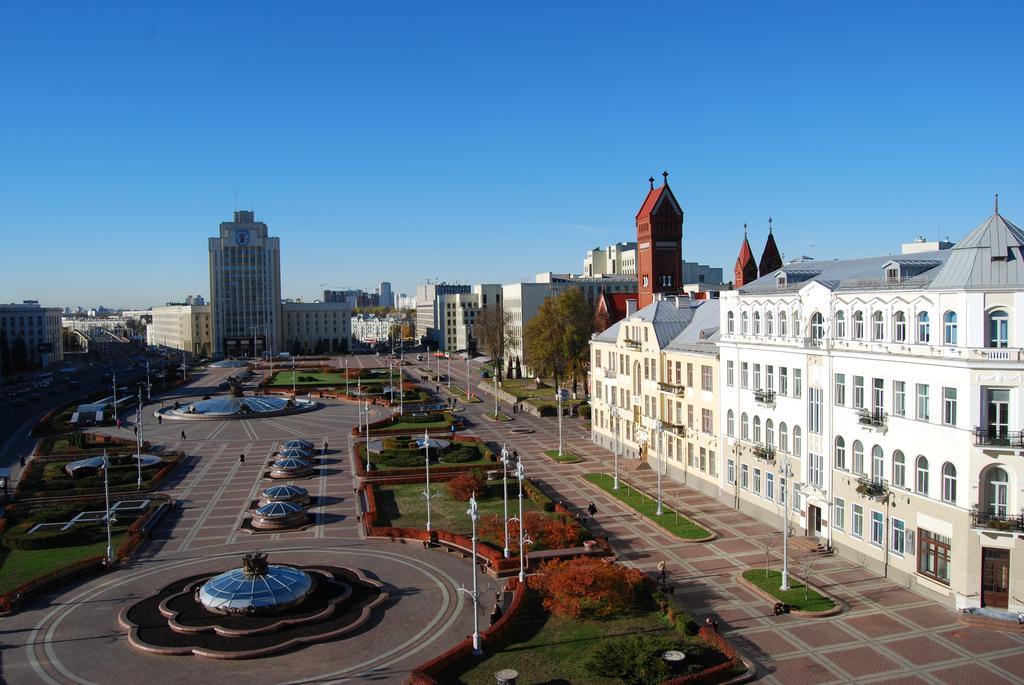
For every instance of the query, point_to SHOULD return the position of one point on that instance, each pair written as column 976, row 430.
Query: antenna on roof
column 769, row 225
column 997, row 203
column 664, row 175
column 651, row 179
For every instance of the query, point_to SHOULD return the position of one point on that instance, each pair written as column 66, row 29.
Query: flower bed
column 45, row 477
column 416, row 458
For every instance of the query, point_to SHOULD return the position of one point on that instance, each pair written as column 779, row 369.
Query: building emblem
column 242, row 238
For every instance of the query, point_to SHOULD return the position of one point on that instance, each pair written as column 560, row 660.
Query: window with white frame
column 877, row 326
column 998, row 328
column 840, row 453
column 744, row 323
column 877, row 395
column 769, row 485
column 744, row 374
column 783, row 324
column 923, row 409
column 797, row 441
column 924, row 328
column 769, row 378
column 816, row 469
column 840, row 325
column 858, row 392
column 839, row 513
column 899, row 398
column 730, row 470
column 757, row 481
column 705, row 377
column 817, row 327
column 744, row 427
column 857, row 519
column 877, row 527
column 798, row 383
column 899, row 469
column 815, row 399
column 744, row 476
column 840, row 389
column 899, row 327
column 730, row 323
column 757, row 323
column 949, row 483
column 769, row 433
column 730, row 372
column 949, row 328
column 769, row 323
column 783, row 492
column 691, row 459
column 898, row 537
column 858, row 457
column 757, row 376
column 707, row 421
column 949, row 406
column 796, row 324
column 730, row 420
column 757, row 430
column 783, row 380
column 921, row 482
column 877, row 462
column 858, row 325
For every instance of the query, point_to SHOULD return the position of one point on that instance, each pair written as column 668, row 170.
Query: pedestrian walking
column 515, row 408
column 160, row 419
column 592, row 508
column 515, row 455
column 325, row 446
column 135, row 429
column 241, row 458
column 22, row 461
column 661, row 571
column 183, row 435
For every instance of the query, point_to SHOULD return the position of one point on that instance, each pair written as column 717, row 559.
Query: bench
column 450, row 546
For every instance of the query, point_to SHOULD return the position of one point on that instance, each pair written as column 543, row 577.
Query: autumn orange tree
column 463, row 486
column 546, row 532
column 587, row 586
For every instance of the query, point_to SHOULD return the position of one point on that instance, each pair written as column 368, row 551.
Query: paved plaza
column 887, row 634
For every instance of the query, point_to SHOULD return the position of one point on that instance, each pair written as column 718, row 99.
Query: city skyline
column 485, row 147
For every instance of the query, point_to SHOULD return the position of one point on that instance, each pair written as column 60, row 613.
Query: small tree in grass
column 547, row 532
column 463, row 486
column 588, row 586
column 635, row 660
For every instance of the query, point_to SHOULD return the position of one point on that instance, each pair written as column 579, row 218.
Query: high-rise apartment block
column 245, row 287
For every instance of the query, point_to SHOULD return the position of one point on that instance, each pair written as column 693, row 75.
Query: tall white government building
column 875, row 404
column 245, row 288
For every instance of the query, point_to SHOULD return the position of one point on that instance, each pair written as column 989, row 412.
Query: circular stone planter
column 284, row 493
column 837, row 609
column 279, row 516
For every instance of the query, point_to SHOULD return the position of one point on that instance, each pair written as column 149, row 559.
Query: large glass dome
column 96, row 463
column 284, row 493
column 229, row 364
column 257, row 588
column 294, row 454
column 296, row 444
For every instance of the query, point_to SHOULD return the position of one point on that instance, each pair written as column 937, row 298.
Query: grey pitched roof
column 847, row 274
column 701, row 333
column 992, row 255
column 667, row 319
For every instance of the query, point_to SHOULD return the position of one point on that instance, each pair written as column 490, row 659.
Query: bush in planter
column 584, row 411
column 548, row 409
column 400, row 459
column 460, row 455
column 635, row 660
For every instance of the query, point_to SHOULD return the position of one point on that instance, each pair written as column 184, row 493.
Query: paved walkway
column 889, row 634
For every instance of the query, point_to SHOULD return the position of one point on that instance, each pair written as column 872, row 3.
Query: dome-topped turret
column 256, row 588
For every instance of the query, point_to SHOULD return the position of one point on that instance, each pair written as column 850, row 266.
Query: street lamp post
column 467, row 378
column 346, row 375
column 521, row 476
column 367, row 404
column 474, row 593
column 785, row 524
column 558, row 396
column 504, row 489
column 106, row 514
column 391, row 381
column 115, row 397
column 426, row 492
column 149, row 386
column 495, row 374
column 293, row 376
column 449, row 379
column 615, row 438
column 138, row 438
column 658, row 428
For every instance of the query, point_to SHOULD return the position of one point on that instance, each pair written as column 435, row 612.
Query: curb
column 839, row 607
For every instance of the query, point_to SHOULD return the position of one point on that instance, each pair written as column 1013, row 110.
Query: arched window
column 877, row 326
column 757, row 430
column 817, row 327
column 949, row 482
column 899, row 327
column 796, row 324
column 744, row 323
column 840, row 456
column 996, row 484
column 730, row 323
column 858, row 325
column 840, row 324
column 877, row 462
column 783, row 437
column 730, row 421
column 949, row 328
column 924, row 328
column 921, row 482
column 744, row 427
column 769, row 432
column 797, row 441
column 858, row 457
column 998, row 328
column 783, row 324
column 899, row 469
column 769, row 323
column 757, row 323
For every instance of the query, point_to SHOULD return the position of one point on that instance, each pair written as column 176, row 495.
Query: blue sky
column 485, row 143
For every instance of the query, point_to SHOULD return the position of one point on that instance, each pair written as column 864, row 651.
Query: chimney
column 630, row 307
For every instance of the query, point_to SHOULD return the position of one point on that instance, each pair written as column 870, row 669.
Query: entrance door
column 995, row 577
column 998, row 414
column 813, row 520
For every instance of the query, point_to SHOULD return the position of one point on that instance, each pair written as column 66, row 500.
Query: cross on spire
column 769, row 224
column 664, row 175
column 744, row 229
column 651, row 179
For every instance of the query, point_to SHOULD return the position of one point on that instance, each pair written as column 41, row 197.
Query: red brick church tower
column 659, row 237
column 746, row 266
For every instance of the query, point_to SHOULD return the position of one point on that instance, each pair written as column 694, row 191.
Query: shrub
column 463, row 486
column 547, row 532
column 461, row 454
column 587, row 586
column 401, row 458
column 548, row 410
column 635, row 660
column 584, row 411
column 77, row 440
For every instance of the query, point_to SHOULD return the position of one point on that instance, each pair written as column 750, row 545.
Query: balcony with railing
column 987, row 520
column 610, row 373
column 994, row 436
column 675, row 428
column 873, row 486
column 872, row 418
column 765, row 452
column 674, row 389
column 632, row 344
column 765, row 397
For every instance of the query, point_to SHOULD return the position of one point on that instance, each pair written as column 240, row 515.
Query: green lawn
column 20, row 566
column 566, row 458
column 461, row 393
column 417, row 427
column 404, row 506
column 553, row 649
column 670, row 520
column 501, row 417
column 795, row 596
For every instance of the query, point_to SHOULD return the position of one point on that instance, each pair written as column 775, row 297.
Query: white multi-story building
column 316, row 327
column 36, row 328
column 245, row 287
column 893, row 387
column 181, row 327
column 367, row 328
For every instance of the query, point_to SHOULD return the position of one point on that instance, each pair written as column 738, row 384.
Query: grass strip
column 797, row 596
column 565, row 458
column 671, row 520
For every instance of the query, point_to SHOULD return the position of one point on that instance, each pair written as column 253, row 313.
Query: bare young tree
column 493, row 331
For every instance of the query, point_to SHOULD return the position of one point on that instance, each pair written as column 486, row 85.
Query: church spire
column 746, row 268
column 771, row 260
